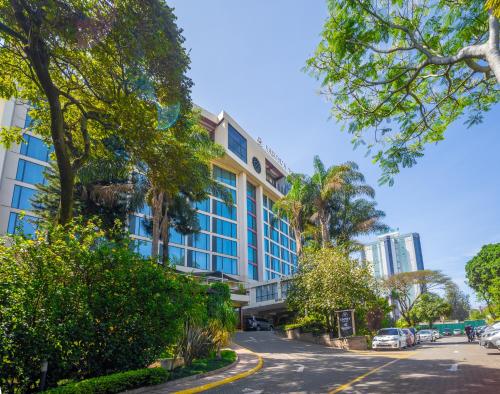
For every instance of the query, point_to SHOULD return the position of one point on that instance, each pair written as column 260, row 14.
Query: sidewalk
column 247, row 364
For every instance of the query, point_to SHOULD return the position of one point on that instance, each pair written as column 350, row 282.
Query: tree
column 296, row 208
column 429, row 308
column 493, row 6
column 328, row 280
column 406, row 288
column 91, row 69
column 351, row 214
column 483, row 275
column 406, row 70
column 85, row 303
column 458, row 301
column 323, row 183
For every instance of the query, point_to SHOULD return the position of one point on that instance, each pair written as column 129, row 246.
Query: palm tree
column 321, row 187
column 351, row 214
column 294, row 206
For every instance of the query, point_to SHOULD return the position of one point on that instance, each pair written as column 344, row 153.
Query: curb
column 206, row 374
column 230, row 379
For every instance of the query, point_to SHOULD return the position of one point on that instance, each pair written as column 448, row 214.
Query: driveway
column 450, row 365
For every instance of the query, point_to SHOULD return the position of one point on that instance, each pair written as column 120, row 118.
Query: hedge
column 115, row 383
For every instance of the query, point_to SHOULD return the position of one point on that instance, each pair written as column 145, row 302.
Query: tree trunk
column 325, row 231
column 39, row 58
column 298, row 241
column 493, row 52
column 157, row 206
column 165, row 234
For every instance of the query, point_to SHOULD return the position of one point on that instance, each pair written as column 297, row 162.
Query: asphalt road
column 450, row 365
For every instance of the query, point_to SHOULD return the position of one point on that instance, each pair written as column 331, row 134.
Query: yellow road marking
column 383, row 354
column 230, row 379
column 361, row 377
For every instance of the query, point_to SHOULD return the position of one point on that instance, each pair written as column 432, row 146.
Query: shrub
column 87, row 305
column 115, row 383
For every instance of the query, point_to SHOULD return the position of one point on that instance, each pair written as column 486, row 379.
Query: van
column 257, row 324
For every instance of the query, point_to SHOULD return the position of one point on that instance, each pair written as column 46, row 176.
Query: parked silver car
column 389, row 338
column 426, row 336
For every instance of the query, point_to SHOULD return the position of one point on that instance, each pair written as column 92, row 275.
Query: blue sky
column 247, row 58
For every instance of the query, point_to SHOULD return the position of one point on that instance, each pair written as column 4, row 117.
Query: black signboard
column 346, row 323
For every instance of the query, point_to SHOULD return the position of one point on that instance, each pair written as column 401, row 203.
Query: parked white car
column 487, row 335
column 492, row 341
column 389, row 338
column 426, row 336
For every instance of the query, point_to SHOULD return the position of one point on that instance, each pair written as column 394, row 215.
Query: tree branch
column 13, row 33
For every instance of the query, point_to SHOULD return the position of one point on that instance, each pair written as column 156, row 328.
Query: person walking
column 470, row 333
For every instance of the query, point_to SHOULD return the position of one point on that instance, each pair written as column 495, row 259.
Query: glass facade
column 237, row 143
column 35, row 148
column 22, row 198
column 29, row 172
column 280, row 256
column 19, row 224
column 253, row 271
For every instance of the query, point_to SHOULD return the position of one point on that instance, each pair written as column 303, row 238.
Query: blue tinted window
column 293, row 246
column 35, row 148
column 232, row 192
column 203, row 205
column 28, row 121
column 275, row 264
column 266, row 230
column 221, row 209
column 285, row 254
column 275, row 235
column 204, row 222
column 264, row 198
column 25, row 225
column 268, row 261
column 286, row 269
column 284, row 240
column 250, row 206
column 266, row 216
column 146, row 210
column 252, row 223
column 252, row 272
column 176, row 255
column 138, row 226
column 176, row 237
column 284, row 227
column 30, row 172
column 237, row 143
column 198, row 260
column 143, row 248
column 267, row 275
column 251, row 191
column 294, row 259
column 225, row 264
column 252, row 238
column 252, row 254
column 22, row 197
column 224, row 176
column 275, row 249
column 200, row 241
column 224, row 227
column 225, row 246
column 266, row 245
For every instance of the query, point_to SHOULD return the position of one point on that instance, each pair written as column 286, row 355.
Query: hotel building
column 244, row 241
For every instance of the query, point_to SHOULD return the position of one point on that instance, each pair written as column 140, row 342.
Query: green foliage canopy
column 429, row 308
column 405, row 70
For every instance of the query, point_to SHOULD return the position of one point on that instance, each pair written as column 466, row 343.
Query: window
column 232, row 192
column 252, row 272
column 251, row 191
column 293, row 246
column 252, row 254
column 252, row 222
column 284, row 227
column 225, row 264
column 176, row 237
column 198, row 260
column 252, row 238
column 266, row 245
column 22, row 197
column 237, row 143
column 275, row 235
column 204, row 222
column 176, row 255
column 200, row 241
column 266, row 230
column 203, row 205
column 143, row 248
column 266, row 216
column 25, row 225
column 138, row 226
column 225, row 246
column 266, row 292
column 275, row 249
column 250, row 205
column 275, row 264
column 224, row 176
column 265, row 200
column 145, row 210
column 30, row 172
column 284, row 241
column 224, row 227
column 268, row 261
column 34, row 147
column 28, row 121
column 285, row 255
column 286, row 269
column 221, row 209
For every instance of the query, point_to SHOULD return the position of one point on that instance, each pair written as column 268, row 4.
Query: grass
column 204, row 365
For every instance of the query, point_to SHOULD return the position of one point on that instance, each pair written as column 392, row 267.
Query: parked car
column 426, row 336
column 410, row 338
column 389, row 338
column 446, row 332
column 257, row 324
column 492, row 341
column 436, row 334
column 457, row 331
column 415, row 334
column 486, row 336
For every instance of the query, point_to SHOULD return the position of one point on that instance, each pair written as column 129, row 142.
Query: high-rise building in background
column 394, row 253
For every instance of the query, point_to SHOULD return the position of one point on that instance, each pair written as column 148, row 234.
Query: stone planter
column 351, row 343
column 170, row 363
